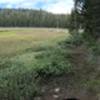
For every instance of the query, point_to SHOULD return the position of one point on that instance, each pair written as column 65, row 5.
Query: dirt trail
column 64, row 87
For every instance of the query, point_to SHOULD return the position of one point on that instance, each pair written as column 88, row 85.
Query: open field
column 28, row 56
column 26, row 53
column 22, row 44
column 16, row 41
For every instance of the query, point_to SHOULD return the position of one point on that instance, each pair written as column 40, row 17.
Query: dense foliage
column 31, row 18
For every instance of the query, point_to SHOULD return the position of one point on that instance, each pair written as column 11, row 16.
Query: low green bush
column 73, row 41
column 53, row 62
column 18, row 83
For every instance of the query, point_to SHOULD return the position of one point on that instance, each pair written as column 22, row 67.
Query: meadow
column 24, row 43
column 27, row 53
column 18, row 40
column 30, row 57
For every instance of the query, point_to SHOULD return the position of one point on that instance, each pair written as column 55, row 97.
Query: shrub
column 53, row 62
column 18, row 83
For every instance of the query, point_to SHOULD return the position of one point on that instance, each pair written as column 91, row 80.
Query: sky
column 54, row 6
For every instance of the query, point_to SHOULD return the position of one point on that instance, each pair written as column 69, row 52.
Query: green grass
column 22, row 44
column 26, row 54
column 15, row 41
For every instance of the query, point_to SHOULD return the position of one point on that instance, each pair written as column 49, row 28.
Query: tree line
column 32, row 18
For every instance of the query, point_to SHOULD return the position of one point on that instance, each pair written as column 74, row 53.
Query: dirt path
column 65, row 87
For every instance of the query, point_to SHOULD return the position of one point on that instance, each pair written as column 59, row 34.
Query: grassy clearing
column 15, row 41
column 23, row 44
column 29, row 55
column 26, row 54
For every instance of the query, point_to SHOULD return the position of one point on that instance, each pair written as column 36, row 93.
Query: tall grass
column 25, row 58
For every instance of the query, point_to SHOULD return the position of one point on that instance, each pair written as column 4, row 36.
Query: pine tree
column 90, row 10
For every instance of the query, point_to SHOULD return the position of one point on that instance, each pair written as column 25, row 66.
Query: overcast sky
column 54, row 6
